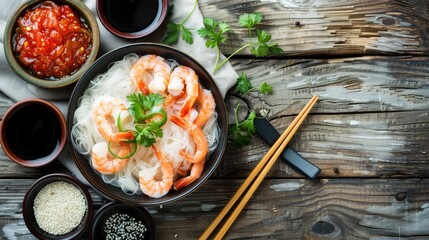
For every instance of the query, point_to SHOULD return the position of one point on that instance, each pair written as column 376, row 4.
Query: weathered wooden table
column 369, row 131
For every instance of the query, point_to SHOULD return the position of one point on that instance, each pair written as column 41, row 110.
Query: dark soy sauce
column 131, row 15
column 33, row 132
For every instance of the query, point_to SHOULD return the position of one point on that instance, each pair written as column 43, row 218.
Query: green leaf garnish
column 266, row 88
column 241, row 133
column 250, row 20
column 214, row 33
column 243, row 84
column 174, row 30
column 148, row 116
column 187, row 35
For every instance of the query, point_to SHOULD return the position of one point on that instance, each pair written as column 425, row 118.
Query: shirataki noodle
column 116, row 83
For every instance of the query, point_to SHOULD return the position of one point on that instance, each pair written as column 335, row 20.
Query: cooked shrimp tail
column 104, row 162
column 188, row 80
column 105, row 114
column 150, row 73
column 196, row 171
column 197, row 135
column 157, row 188
column 207, row 106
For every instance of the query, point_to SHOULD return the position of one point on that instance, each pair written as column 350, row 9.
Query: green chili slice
column 111, row 147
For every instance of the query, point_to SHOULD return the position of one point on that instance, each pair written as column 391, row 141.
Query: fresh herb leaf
column 143, row 108
column 237, row 137
column 274, row 48
column 243, row 84
column 250, row 20
column 248, row 125
column 266, row 88
column 148, row 134
column 241, row 133
column 262, row 48
column 187, row 35
column 172, row 35
column 174, row 30
column 263, row 36
column 146, row 102
column 214, row 32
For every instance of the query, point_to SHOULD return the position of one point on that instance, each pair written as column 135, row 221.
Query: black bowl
column 100, row 66
column 139, row 213
column 103, row 14
column 28, row 203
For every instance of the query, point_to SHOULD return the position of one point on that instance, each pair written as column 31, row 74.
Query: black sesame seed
column 123, row 226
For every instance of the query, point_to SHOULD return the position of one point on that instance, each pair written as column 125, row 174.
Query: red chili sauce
column 51, row 41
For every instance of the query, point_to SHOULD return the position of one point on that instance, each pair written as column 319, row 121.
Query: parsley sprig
column 148, row 116
column 244, row 86
column 174, row 30
column 215, row 33
column 241, row 133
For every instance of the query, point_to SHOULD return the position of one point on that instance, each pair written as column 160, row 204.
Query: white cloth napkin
column 17, row 89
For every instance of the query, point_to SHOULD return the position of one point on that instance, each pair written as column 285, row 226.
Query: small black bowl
column 28, row 203
column 139, row 213
column 121, row 17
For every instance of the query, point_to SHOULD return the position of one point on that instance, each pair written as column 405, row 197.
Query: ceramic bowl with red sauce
column 51, row 43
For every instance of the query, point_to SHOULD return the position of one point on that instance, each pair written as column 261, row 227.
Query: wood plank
column 296, row 209
column 371, row 119
column 303, row 28
column 344, row 85
column 356, row 145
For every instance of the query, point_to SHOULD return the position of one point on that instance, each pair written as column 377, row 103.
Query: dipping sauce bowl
column 52, row 43
column 57, row 206
column 132, row 19
column 33, row 132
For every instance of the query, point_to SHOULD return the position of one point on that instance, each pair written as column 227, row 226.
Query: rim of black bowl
column 138, row 212
column 133, row 35
column 27, row 206
column 84, row 12
column 101, row 65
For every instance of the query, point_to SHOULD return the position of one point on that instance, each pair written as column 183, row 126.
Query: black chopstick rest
column 270, row 135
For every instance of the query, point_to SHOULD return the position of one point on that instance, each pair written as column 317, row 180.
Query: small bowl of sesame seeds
column 121, row 221
column 57, row 206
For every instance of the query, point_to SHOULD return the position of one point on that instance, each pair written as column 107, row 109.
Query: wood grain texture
column 330, row 27
column 348, row 85
column 371, row 119
column 296, row 209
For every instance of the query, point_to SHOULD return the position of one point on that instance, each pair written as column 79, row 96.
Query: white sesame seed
column 59, row 207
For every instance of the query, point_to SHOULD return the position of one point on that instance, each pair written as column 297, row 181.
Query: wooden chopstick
column 270, row 157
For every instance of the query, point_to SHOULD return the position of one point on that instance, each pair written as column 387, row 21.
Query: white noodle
column 116, row 83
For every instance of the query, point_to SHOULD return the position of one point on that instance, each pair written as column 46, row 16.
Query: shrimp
column 180, row 77
column 196, row 170
column 199, row 138
column 106, row 163
column 151, row 73
column 155, row 188
column 105, row 114
column 207, row 107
